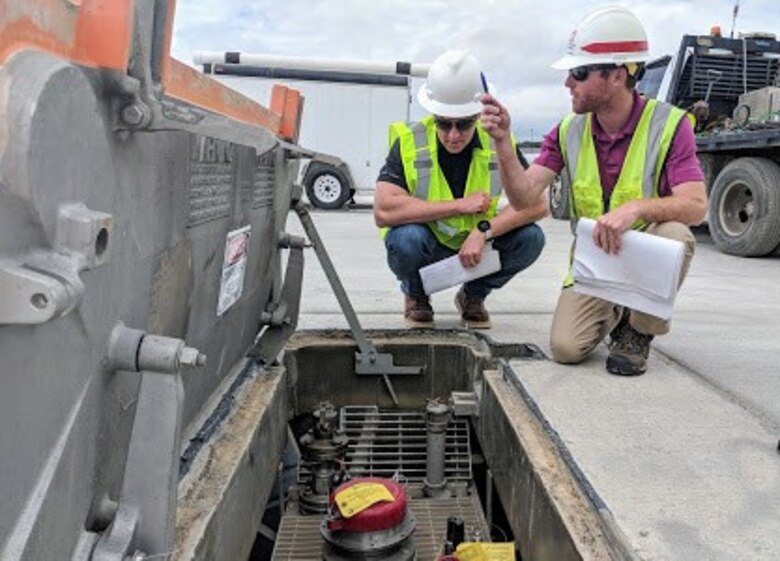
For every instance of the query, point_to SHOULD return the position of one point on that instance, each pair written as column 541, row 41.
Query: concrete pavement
column 685, row 456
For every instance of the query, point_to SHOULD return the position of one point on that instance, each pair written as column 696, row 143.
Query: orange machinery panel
column 98, row 34
column 93, row 33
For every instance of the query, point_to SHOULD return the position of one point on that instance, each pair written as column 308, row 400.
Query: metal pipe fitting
column 135, row 350
column 165, row 354
column 437, row 416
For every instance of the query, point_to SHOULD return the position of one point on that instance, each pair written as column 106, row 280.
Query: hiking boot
column 628, row 349
column 418, row 311
column 472, row 311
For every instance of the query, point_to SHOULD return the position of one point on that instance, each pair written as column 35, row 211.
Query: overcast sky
column 515, row 40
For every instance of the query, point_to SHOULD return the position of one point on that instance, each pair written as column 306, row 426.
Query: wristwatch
column 484, row 227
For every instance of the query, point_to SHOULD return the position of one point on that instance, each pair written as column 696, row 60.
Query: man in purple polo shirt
column 657, row 186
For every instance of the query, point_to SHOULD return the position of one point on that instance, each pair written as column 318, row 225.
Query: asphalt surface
column 686, row 456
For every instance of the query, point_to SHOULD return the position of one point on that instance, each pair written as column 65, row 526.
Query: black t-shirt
column 455, row 167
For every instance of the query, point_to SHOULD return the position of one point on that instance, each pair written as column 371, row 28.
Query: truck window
column 650, row 84
column 653, row 79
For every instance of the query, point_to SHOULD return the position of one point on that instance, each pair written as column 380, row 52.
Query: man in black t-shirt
column 437, row 195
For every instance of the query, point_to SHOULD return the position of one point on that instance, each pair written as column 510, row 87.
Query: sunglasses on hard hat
column 581, row 73
column 461, row 124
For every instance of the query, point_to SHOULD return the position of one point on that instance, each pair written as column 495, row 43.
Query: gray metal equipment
column 393, row 544
column 368, row 360
column 437, row 416
column 131, row 221
column 322, row 451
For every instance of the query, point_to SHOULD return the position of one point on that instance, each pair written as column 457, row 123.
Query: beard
column 588, row 103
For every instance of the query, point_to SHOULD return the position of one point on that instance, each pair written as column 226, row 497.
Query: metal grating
column 382, row 443
column 298, row 538
column 759, row 71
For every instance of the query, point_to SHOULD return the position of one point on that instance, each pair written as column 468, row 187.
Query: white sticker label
column 233, row 269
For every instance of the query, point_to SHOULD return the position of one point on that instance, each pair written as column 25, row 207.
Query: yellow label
column 480, row 551
column 360, row 496
column 471, row 551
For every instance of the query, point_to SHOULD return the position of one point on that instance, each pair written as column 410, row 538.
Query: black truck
column 732, row 87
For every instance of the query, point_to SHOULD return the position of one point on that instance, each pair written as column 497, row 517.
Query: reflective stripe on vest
column 422, row 161
column 495, row 174
column 426, row 181
column 641, row 170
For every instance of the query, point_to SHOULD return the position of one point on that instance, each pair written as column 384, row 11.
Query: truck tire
column 327, row 187
column 558, row 193
column 744, row 214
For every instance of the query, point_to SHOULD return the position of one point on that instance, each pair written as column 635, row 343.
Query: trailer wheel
column 327, row 187
column 745, row 207
column 558, row 193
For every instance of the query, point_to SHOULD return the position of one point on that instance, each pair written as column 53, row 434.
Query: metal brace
column 368, row 361
column 144, row 523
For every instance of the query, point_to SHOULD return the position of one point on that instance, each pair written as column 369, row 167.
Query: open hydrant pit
column 506, row 475
column 504, row 472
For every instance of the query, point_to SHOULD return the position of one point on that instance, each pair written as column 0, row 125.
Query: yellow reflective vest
column 641, row 171
column 426, row 181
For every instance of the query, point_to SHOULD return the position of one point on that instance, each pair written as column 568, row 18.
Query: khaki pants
column 581, row 322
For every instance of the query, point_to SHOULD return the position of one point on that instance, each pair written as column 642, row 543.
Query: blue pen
column 484, row 82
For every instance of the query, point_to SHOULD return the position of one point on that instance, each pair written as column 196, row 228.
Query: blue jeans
column 413, row 246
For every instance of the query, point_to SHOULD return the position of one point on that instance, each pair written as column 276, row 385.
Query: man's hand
column 495, row 118
column 610, row 227
column 470, row 253
column 476, row 203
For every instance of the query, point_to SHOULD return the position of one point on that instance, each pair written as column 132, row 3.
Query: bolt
column 265, row 318
column 134, row 115
column 191, row 357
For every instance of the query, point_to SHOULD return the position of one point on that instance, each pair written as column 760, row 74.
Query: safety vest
column 425, row 179
column 641, row 171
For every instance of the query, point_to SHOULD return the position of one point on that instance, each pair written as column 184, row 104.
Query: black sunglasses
column 581, row 73
column 461, row 124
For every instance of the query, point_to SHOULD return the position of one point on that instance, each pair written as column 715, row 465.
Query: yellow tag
column 471, row 551
column 481, row 551
column 360, row 496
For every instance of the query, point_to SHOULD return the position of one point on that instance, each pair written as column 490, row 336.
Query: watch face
column 483, row 226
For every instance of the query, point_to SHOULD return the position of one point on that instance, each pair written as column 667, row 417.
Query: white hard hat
column 454, row 86
column 609, row 35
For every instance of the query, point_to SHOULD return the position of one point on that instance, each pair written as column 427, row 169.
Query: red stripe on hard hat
column 616, row 47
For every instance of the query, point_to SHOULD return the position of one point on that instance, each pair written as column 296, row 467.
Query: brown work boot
column 418, row 311
column 628, row 349
column 472, row 311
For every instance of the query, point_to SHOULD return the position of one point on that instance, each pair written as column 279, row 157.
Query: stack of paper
column 643, row 276
column 449, row 272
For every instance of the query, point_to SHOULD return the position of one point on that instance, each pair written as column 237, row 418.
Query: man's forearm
column 509, row 218
column 513, row 178
column 396, row 209
column 520, row 187
column 689, row 209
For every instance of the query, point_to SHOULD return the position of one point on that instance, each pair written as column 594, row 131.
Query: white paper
column 643, row 276
column 449, row 272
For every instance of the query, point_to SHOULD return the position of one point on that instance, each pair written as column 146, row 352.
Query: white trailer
column 348, row 107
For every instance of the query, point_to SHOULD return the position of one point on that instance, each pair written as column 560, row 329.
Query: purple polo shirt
column 681, row 164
